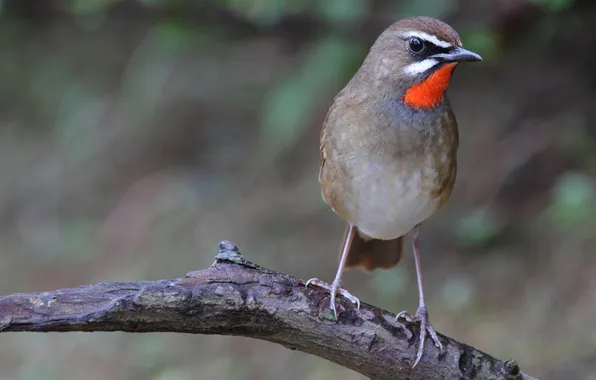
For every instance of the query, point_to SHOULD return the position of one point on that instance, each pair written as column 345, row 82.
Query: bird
column 388, row 152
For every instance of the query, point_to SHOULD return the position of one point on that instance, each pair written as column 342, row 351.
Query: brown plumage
column 350, row 166
column 371, row 254
column 388, row 149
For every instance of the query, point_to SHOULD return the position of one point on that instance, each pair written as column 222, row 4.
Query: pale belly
column 389, row 206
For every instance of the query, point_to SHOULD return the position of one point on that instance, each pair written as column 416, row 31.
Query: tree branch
column 237, row 297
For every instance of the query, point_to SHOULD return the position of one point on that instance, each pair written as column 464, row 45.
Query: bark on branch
column 237, row 297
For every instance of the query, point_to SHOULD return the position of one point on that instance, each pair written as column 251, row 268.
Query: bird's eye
column 416, row 45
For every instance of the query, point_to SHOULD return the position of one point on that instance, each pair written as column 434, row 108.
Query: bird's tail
column 371, row 253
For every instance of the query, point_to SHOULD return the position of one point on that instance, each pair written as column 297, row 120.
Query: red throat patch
column 430, row 93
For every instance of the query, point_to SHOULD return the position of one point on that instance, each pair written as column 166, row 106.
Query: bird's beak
column 458, row 55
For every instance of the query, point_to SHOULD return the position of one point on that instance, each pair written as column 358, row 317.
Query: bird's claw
column 338, row 290
column 405, row 315
column 425, row 326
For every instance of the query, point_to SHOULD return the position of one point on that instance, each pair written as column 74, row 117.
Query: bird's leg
column 422, row 312
column 335, row 287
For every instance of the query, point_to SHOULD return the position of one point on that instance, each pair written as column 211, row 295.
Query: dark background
column 134, row 135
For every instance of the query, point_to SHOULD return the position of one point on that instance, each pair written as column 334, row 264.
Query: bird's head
column 416, row 56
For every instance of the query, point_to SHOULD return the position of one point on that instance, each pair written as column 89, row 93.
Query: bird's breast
column 386, row 168
column 389, row 197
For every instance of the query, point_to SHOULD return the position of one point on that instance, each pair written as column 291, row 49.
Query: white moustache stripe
column 420, row 67
column 428, row 37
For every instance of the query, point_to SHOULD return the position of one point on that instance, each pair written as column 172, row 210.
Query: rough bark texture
column 237, row 297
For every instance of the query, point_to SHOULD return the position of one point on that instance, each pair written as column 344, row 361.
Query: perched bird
column 388, row 150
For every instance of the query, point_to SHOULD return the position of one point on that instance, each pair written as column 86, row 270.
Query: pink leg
column 335, row 287
column 422, row 312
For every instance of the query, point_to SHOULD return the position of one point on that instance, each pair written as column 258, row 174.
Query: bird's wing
column 323, row 143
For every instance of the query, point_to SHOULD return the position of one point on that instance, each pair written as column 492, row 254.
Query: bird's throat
column 431, row 92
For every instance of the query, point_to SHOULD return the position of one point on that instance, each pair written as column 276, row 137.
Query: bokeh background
column 134, row 135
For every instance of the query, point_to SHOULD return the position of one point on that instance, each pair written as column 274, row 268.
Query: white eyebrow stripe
column 428, row 37
column 420, row 67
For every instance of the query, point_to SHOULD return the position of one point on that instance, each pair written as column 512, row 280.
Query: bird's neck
column 430, row 92
column 426, row 95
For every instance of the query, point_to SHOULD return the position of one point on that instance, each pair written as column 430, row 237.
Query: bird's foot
column 333, row 290
column 425, row 327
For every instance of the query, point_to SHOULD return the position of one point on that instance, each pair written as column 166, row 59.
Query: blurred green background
column 134, row 135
